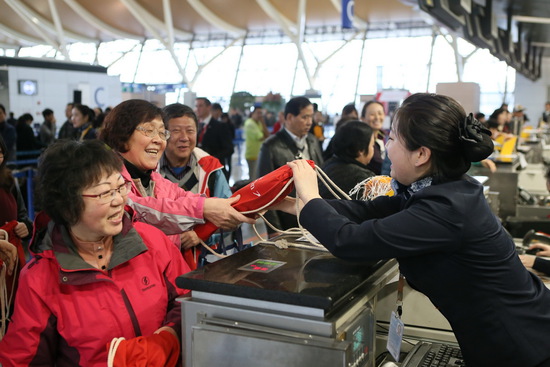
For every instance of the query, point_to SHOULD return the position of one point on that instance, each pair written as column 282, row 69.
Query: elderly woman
column 136, row 131
column 95, row 274
column 353, row 147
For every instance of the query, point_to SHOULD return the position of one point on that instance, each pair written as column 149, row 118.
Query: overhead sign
column 347, row 13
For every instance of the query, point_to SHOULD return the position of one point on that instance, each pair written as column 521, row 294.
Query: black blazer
column 218, row 140
column 453, row 249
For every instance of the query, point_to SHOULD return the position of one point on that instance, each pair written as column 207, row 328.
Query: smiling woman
column 89, row 248
column 136, row 131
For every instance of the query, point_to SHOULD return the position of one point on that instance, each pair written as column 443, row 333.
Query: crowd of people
column 121, row 193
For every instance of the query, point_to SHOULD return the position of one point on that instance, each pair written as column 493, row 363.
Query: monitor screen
column 28, row 87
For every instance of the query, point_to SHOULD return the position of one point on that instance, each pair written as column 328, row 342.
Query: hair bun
column 475, row 139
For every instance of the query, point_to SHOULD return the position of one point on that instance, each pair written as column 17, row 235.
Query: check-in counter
column 282, row 307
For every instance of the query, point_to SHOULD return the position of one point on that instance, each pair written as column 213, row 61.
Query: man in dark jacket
column 293, row 141
column 214, row 136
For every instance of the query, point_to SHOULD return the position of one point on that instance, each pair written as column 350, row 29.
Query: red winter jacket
column 66, row 311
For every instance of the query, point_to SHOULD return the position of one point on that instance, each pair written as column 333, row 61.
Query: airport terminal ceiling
column 59, row 23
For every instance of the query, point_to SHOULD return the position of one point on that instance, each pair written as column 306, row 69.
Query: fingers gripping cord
column 5, row 299
column 331, row 186
column 365, row 190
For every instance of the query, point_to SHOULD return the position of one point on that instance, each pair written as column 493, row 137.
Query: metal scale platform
column 286, row 307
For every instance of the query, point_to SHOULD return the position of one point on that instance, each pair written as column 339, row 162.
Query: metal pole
column 434, row 37
column 239, row 64
column 360, row 64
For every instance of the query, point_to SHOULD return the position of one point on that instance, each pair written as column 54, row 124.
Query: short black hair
column 351, row 138
column 217, row 106
column 47, row 112
column 176, row 110
column 206, row 101
column 66, row 168
column 296, row 105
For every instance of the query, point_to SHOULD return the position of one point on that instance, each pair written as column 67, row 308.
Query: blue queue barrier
column 238, row 142
column 28, row 173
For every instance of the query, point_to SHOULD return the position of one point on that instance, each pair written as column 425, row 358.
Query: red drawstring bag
column 257, row 195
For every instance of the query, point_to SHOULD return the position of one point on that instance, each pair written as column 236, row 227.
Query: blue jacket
column 454, row 250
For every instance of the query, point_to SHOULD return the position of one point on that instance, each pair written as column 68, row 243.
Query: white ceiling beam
column 205, row 64
column 32, row 22
column 142, row 16
column 59, row 29
column 294, row 31
column 214, row 20
column 152, row 20
column 357, row 22
column 286, row 24
column 20, row 37
column 167, row 9
column 26, row 12
column 99, row 24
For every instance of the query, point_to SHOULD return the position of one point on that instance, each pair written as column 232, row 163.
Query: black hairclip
column 471, row 130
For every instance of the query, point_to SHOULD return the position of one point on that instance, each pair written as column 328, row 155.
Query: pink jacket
column 172, row 209
column 66, row 311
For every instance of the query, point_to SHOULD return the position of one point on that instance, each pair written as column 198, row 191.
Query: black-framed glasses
column 152, row 132
column 108, row 196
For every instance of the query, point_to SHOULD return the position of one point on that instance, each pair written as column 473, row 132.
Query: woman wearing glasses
column 95, row 275
column 135, row 130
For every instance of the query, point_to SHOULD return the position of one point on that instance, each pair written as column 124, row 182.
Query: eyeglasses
column 108, row 196
column 151, row 133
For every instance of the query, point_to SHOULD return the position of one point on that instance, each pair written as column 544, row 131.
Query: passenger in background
column 228, row 160
column 546, row 112
column 9, row 135
column 216, row 111
column 353, row 146
column 214, row 136
column 317, row 128
column 135, row 130
column 480, row 117
column 294, row 141
column 349, row 112
column 26, row 140
column 82, row 118
column 501, row 117
column 11, row 201
column 99, row 116
column 373, row 114
column 536, row 262
column 255, row 132
column 279, row 123
column 96, row 274
column 47, row 129
column 67, row 129
column 191, row 168
column 439, row 227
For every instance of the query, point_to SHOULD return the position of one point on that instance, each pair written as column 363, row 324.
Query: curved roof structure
column 58, row 23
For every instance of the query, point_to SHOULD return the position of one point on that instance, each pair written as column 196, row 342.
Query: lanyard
column 399, row 302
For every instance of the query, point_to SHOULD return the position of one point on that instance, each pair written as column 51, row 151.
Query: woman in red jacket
column 94, row 275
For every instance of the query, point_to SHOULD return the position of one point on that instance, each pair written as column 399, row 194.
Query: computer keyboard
column 425, row 354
